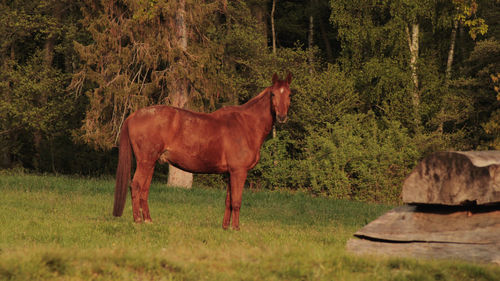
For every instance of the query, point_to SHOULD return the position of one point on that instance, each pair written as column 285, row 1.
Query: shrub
column 278, row 168
column 360, row 157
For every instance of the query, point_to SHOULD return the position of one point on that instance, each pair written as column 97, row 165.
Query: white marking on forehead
column 282, row 90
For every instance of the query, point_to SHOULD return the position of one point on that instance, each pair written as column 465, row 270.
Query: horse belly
column 202, row 162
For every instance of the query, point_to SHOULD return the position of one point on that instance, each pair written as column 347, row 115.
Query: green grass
column 61, row 228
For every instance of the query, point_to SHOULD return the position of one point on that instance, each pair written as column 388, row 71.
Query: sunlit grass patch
column 61, row 228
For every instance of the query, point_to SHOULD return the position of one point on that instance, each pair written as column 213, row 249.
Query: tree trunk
column 5, row 157
column 259, row 11
column 177, row 177
column 42, row 99
column 273, row 31
column 413, row 45
column 328, row 46
column 5, row 150
column 451, row 52
column 311, row 42
column 449, row 64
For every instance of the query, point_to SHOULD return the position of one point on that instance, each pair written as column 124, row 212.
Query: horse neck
column 259, row 108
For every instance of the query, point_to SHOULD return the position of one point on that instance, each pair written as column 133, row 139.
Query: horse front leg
column 227, row 212
column 237, row 182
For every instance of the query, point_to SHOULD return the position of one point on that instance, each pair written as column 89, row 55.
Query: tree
column 375, row 49
column 273, row 28
column 481, row 85
column 147, row 53
column 492, row 126
column 178, row 177
column 259, row 12
column 33, row 99
column 134, row 61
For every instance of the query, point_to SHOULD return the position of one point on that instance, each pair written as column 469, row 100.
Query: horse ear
column 275, row 78
column 289, row 78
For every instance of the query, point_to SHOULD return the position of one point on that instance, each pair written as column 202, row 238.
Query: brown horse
column 225, row 141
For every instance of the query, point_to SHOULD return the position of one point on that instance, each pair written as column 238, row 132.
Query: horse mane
column 257, row 98
column 249, row 103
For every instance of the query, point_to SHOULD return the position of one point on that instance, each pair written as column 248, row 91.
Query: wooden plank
column 480, row 225
column 489, row 253
column 455, row 178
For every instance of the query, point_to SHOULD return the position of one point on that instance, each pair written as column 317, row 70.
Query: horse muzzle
column 281, row 118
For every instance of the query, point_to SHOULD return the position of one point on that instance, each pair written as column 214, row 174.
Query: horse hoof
column 225, row 227
column 148, row 221
column 236, row 228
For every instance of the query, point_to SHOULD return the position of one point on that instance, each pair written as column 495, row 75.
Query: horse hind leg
column 145, row 194
column 140, row 191
column 227, row 212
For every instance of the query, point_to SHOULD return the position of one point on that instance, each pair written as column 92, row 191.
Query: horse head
column 280, row 97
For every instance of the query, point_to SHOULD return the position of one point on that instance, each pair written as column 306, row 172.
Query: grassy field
column 61, row 228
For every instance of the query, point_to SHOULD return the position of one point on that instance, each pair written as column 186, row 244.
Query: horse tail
column 123, row 171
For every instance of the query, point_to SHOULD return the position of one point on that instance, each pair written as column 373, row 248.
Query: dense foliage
column 377, row 84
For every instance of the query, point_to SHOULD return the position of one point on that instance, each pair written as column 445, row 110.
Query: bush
column 331, row 148
column 360, row 157
column 278, row 168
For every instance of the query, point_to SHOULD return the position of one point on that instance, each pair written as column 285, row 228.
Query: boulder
column 453, row 211
column 455, row 178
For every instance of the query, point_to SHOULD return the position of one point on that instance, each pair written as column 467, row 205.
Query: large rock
column 454, row 211
column 455, row 178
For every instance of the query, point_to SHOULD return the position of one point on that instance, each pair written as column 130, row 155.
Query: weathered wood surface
column 479, row 225
column 431, row 231
column 455, row 178
column 471, row 252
